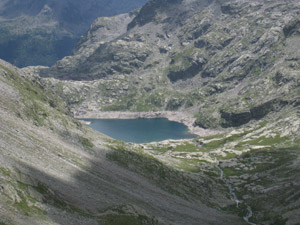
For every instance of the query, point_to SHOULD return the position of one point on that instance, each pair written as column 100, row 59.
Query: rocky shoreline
column 181, row 117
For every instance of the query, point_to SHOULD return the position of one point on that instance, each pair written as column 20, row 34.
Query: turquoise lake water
column 141, row 130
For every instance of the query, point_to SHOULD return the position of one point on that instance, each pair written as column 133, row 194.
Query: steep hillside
column 35, row 32
column 56, row 171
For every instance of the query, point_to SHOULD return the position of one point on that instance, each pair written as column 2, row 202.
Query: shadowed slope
column 56, row 171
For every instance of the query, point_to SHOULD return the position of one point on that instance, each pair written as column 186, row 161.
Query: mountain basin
column 141, row 130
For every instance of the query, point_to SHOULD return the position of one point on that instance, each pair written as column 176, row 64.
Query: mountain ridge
column 174, row 66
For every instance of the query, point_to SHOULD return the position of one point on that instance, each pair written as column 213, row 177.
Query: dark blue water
column 141, row 130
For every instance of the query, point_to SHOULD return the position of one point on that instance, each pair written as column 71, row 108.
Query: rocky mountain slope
column 56, row 171
column 225, row 62
column 34, row 32
column 231, row 67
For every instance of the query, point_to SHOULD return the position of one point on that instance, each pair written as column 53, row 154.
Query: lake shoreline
column 181, row 117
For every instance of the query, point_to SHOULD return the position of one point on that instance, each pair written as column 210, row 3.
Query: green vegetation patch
column 214, row 144
column 162, row 149
column 27, row 209
column 216, row 136
column 86, row 143
column 5, row 172
column 186, row 147
column 26, row 203
column 229, row 155
column 190, row 165
column 229, row 171
column 265, row 141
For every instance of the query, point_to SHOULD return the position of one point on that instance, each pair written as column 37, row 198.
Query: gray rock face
column 293, row 27
column 255, row 112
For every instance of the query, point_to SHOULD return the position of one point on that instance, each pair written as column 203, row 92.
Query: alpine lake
column 141, row 130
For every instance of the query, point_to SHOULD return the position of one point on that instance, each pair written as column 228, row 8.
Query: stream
column 237, row 201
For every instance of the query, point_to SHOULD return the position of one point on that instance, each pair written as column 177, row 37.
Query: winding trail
column 237, row 201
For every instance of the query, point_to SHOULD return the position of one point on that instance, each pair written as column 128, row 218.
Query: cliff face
column 42, row 32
